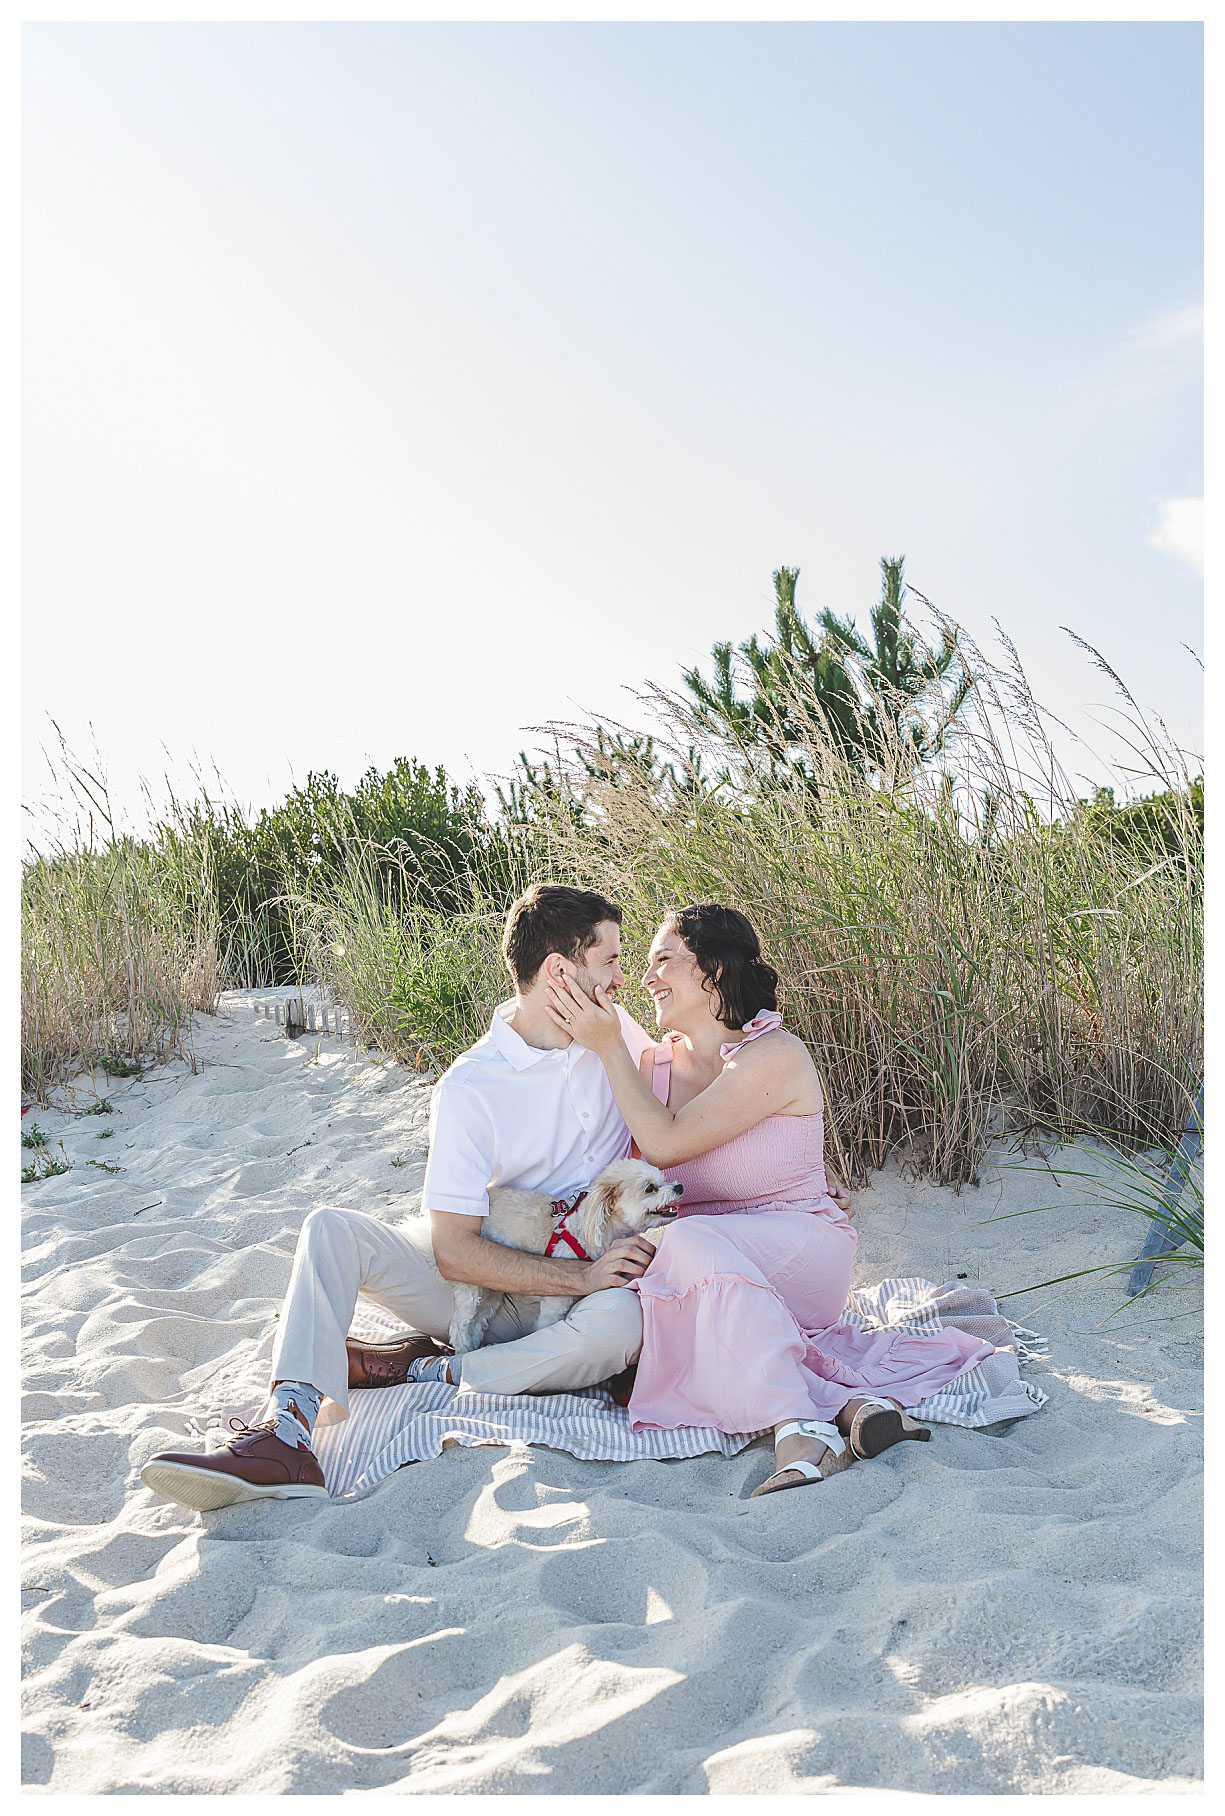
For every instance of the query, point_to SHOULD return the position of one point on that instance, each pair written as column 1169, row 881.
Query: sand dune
column 1012, row 1611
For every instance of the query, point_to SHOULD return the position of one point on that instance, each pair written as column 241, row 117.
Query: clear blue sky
column 456, row 377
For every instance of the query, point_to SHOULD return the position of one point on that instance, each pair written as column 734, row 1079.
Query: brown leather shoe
column 386, row 1364
column 622, row 1386
column 254, row 1466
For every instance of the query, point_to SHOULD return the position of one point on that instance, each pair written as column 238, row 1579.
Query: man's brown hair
column 549, row 917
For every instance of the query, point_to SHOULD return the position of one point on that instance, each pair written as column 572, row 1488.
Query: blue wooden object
column 1161, row 1238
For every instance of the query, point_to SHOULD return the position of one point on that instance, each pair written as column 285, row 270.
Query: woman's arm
column 759, row 1081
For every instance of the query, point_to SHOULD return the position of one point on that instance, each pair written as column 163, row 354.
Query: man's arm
column 464, row 1254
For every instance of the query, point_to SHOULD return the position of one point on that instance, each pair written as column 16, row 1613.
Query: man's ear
column 555, row 967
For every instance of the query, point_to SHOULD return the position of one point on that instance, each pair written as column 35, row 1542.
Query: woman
column 742, row 1301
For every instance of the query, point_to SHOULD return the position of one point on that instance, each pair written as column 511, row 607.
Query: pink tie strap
column 764, row 1022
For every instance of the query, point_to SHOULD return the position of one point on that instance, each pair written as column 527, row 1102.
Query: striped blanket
column 392, row 1426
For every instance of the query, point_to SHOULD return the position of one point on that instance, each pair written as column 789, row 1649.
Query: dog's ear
column 598, row 1215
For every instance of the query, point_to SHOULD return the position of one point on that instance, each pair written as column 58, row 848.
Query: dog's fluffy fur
column 627, row 1197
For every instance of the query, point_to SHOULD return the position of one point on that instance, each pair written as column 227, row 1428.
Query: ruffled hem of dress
column 708, row 1424
column 905, row 1365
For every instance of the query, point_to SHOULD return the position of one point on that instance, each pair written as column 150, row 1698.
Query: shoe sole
column 880, row 1430
column 205, row 1489
column 829, row 1466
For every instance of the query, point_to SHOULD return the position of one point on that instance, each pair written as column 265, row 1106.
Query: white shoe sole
column 205, row 1489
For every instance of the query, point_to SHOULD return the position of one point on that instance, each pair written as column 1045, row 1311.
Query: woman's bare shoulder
column 776, row 1051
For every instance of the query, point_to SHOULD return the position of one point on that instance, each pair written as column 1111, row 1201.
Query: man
column 525, row 1106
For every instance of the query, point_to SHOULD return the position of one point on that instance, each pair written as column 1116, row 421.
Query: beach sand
column 1014, row 1610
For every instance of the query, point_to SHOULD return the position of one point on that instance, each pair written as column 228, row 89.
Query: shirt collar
column 515, row 1049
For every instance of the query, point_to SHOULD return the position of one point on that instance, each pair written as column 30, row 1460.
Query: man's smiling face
column 600, row 965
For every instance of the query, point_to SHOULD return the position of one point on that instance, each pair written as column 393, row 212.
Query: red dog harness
column 563, row 1210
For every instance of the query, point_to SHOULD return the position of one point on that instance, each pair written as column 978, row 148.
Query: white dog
column 629, row 1196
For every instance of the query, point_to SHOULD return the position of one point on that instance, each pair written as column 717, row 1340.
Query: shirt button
column 586, row 1116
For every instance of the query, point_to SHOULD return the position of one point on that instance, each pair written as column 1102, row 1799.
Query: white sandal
column 878, row 1424
column 837, row 1457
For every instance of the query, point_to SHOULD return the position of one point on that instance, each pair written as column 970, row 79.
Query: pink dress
column 741, row 1305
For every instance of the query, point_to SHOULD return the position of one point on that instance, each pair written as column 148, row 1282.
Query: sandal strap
column 875, row 1400
column 808, row 1470
column 829, row 1435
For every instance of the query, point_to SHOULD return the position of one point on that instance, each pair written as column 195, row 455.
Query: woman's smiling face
column 673, row 980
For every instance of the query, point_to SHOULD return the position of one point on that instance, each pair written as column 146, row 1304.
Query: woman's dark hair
column 729, row 957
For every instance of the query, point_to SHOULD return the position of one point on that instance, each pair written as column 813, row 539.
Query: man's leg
column 599, row 1336
column 339, row 1254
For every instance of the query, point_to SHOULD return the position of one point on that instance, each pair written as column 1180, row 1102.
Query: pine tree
column 873, row 696
column 911, row 702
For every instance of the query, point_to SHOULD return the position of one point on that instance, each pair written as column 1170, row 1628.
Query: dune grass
column 1164, row 1190
column 419, row 981
column 963, row 945
column 119, row 946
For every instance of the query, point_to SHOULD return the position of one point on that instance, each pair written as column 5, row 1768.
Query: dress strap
column 764, row 1022
column 656, row 1067
column 661, row 1071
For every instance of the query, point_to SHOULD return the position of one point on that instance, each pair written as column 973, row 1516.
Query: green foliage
column 45, row 1166
column 542, row 796
column 956, row 959
column 532, row 797
column 890, row 700
column 419, row 981
column 1153, row 824
column 103, row 1107
column 33, row 1137
column 118, row 948
column 1139, row 1186
column 430, row 832
column 961, row 952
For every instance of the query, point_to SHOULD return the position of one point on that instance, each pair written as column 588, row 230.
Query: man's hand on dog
column 623, row 1262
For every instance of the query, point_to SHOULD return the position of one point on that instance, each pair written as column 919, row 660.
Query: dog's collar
column 563, row 1210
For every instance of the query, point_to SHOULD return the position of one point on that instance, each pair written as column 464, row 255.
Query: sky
column 393, row 389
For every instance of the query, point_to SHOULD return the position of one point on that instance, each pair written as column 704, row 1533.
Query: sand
column 1016, row 1610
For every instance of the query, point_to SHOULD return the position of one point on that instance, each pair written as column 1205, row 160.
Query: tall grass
column 424, row 833
column 419, row 982
column 1165, row 1190
column 119, row 945
column 960, row 944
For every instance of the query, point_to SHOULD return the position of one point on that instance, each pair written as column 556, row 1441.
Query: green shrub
column 430, row 835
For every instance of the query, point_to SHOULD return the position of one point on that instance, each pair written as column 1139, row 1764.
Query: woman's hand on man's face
column 592, row 1023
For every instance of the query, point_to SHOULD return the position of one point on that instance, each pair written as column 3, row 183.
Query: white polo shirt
column 509, row 1114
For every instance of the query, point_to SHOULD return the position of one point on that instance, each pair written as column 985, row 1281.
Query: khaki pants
column 342, row 1253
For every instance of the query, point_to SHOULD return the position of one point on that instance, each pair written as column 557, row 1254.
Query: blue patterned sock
column 435, row 1368
column 295, row 1407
